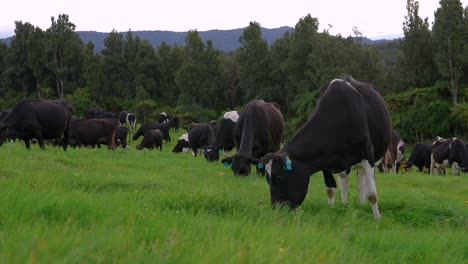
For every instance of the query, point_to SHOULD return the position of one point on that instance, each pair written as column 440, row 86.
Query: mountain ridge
column 223, row 39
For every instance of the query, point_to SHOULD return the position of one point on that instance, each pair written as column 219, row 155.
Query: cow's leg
column 431, row 169
column 455, row 169
column 344, row 187
column 330, row 184
column 27, row 143
column 372, row 189
column 394, row 167
column 194, row 152
column 66, row 138
column 362, row 185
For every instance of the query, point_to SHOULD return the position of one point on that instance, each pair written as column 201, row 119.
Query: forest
column 423, row 76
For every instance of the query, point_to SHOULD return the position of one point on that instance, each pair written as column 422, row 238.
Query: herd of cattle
column 348, row 128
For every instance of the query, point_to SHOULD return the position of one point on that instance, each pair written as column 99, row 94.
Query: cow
column 394, row 154
column 121, row 137
column 259, row 130
column 174, row 123
column 4, row 113
column 183, row 144
column 448, row 152
column 420, row 156
column 200, row 136
column 92, row 132
column 128, row 119
column 94, row 113
column 164, row 117
column 152, row 126
column 224, row 139
column 152, row 139
column 349, row 126
column 39, row 119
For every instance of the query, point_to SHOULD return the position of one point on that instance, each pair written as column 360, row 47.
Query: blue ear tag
column 226, row 164
column 220, row 151
column 203, row 151
column 260, row 165
column 287, row 164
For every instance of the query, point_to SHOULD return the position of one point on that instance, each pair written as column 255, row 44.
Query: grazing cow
column 420, row 156
column 152, row 126
column 128, row 119
column 259, row 130
column 200, row 136
column 448, row 152
column 152, row 139
column 224, row 139
column 92, row 132
column 164, row 117
column 94, row 113
column 349, row 126
column 394, row 154
column 183, row 144
column 121, row 137
column 39, row 119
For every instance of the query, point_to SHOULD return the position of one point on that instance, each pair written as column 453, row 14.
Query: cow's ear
column 227, row 161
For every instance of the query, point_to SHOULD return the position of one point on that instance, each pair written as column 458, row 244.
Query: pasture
column 128, row 206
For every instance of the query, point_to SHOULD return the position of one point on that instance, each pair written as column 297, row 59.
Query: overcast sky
column 375, row 18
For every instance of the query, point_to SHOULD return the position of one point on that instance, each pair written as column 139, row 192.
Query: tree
column 17, row 58
column 416, row 63
column 65, row 49
column 113, row 68
column 36, row 57
column 92, row 67
column 253, row 61
column 450, row 39
column 170, row 60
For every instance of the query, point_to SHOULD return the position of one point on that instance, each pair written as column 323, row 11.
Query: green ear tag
column 287, row 164
column 260, row 165
column 226, row 164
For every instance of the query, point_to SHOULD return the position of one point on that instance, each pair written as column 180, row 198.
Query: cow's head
column 211, row 153
column 241, row 163
column 285, row 189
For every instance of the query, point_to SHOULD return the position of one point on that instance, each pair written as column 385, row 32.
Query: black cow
column 448, row 152
column 128, row 119
column 152, row 126
column 152, row 139
column 224, row 139
column 394, row 154
column 94, row 113
column 92, row 132
column 39, row 119
column 4, row 113
column 164, row 117
column 121, row 137
column 200, row 136
column 182, row 145
column 349, row 125
column 175, row 123
column 420, row 156
column 259, row 130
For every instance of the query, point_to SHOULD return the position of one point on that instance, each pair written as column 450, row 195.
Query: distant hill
column 226, row 40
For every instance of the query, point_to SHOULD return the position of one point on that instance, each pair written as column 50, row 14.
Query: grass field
column 128, row 206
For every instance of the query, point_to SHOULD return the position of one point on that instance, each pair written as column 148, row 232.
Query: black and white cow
column 200, row 136
column 121, row 137
column 420, row 156
column 129, row 120
column 164, row 117
column 224, row 139
column 183, row 144
column 259, row 130
column 394, row 154
column 448, row 152
column 349, row 126
column 39, row 119
column 152, row 139
column 152, row 126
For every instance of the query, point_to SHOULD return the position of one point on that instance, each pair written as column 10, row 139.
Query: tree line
column 423, row 76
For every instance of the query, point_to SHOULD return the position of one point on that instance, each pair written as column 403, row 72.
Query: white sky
column 372, row 17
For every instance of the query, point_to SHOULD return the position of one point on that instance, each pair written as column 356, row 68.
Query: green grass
column 128, row 206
